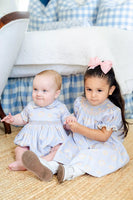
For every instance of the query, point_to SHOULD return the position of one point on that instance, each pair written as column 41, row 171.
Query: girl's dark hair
column 116, row 97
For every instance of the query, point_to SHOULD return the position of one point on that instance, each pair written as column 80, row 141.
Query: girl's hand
column 73, row 126
column 8, row 119
column 69, row 119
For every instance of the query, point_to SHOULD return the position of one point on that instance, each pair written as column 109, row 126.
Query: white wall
column 7, row 6
column 22, row 5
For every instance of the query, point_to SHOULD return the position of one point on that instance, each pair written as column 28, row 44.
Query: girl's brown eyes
column 99, row 90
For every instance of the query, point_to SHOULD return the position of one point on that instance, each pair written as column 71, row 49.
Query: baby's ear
column 57, row 94
column 112, row 90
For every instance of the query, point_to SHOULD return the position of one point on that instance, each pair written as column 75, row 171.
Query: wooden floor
column 24, row 185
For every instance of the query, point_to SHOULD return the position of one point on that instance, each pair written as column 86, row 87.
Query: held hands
column 71, row 118
column 69, row 121
column 8, row 119
column 73, row 126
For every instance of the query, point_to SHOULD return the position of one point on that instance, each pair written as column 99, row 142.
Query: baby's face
column 44, row 90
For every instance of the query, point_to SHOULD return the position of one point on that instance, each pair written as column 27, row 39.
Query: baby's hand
column 71, row 118
column 8, row 119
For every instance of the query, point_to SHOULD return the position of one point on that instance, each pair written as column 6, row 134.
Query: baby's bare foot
column 16, row 166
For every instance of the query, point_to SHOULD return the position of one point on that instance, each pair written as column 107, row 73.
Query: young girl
column 43, row 119
column 95, row 146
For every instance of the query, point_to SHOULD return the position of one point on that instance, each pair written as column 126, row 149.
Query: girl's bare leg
column 18, row 165
column 52, row 153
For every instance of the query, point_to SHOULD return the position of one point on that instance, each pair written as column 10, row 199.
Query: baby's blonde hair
column 57, row 77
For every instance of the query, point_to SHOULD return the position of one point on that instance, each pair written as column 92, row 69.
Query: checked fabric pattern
column 118, row 14
column 18, row 93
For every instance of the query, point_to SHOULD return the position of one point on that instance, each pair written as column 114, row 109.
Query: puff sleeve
column 111, row 120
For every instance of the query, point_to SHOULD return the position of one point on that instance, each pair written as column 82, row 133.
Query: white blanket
column 74, row 47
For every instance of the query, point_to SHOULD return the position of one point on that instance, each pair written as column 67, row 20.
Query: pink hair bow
column 105, row 65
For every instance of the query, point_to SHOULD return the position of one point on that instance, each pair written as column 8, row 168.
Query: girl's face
column 44, row 90
column 97, row 90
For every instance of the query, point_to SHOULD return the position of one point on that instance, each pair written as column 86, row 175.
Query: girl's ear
column 57, row 94
column 111, row 90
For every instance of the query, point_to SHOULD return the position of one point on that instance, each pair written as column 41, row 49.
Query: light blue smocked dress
column 44, row 128
column 94, row 157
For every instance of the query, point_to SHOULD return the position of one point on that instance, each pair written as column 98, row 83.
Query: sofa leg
column 7, row 126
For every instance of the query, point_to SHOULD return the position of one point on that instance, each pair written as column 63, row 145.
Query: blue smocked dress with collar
column 44, row 128
column 94, row 157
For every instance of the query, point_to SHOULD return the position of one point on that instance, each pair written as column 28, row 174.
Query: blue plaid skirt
column 18, row 92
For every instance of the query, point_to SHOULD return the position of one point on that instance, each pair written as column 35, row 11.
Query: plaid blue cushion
column 116, row 14
column 36, row 10
column 66, row 24
column 68, row 9
column 18, row 92
column 61, row 10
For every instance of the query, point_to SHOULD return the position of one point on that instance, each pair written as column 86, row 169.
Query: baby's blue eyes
column 37, row 90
